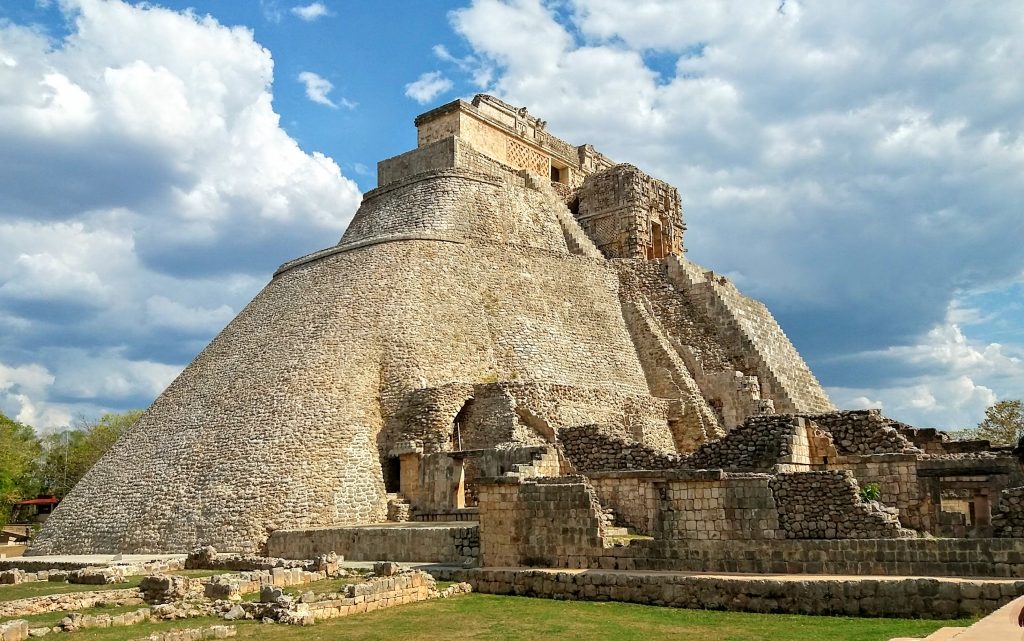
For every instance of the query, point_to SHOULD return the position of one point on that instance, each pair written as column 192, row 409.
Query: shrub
column 870, row 492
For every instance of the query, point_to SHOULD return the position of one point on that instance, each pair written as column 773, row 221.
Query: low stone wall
column 228, row 586
column 864, row 432
column 207, row 558
column 69, row 602
column 888, row 597
column 539, row 522
column 827, row 505
column 76, row 621
column 691, row 504
column 891, row 557
column 377, row 593
column 424, row 542
column 373, row 594
column 596, row 448
column 194, row 634
column 1008, row 521
column 42, row 568
column 759, row 444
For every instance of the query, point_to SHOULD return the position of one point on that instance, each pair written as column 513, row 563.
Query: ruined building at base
column 509, row 332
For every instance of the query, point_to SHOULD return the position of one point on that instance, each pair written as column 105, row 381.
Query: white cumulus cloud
column 317, row 89
column 311, row 12
column 428, row 86
column 147, row 191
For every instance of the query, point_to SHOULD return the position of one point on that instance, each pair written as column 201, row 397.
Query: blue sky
column 855, row 167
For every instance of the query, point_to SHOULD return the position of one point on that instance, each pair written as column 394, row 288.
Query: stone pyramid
column 500, row 285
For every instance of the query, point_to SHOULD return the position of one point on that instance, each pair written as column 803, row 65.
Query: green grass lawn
column 41, row 588
column 501, row 618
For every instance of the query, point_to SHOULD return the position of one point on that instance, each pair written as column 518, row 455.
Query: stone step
column 616, row 531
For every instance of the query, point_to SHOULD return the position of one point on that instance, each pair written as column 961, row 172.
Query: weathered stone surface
column 69, row 602
column 1008, row 521
column 888, row 597
column 16, row 630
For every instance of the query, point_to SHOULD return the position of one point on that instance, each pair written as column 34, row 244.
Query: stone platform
column 454, row 542
column 861, row 596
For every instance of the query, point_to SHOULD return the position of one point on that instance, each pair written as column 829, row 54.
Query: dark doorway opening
column 458, row 427
column 574, row 207
column 392, row 475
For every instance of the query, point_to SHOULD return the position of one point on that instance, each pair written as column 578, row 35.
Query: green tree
column 1004, row 422
column 68, row 455
column 19, row 451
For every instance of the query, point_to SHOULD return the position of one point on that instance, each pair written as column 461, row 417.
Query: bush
column 870, row 492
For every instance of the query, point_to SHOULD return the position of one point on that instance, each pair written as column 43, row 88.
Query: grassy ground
column 41, row 588
column 497, row 618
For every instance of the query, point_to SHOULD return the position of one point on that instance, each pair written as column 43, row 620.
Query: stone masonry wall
column 500, row 413
column 759, row 444
column 598, row 448
column 827, row 505
column 428, row 542
column 863, row 432
column 553, row 522
column 574, row 540
column 896, row 477
column 310, row 372
column 729, row 507
column 447, row 153
column 460, row 204
column 620, row 208
column 690, row 505
column 925, row 598
column 1008, row 517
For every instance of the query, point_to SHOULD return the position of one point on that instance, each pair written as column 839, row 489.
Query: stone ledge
column 869, row 596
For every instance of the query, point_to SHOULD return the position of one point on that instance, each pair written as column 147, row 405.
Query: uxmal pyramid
column 500, row 288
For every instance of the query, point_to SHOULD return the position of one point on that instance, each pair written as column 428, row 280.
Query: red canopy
column 43, row 500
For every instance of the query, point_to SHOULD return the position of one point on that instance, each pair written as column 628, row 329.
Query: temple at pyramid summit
column 508, row 360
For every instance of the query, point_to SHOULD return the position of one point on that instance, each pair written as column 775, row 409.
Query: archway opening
column 392, row 474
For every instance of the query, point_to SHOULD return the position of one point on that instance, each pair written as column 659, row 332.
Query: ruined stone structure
column 509, row 333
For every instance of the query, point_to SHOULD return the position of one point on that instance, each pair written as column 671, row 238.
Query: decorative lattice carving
column 519, row 155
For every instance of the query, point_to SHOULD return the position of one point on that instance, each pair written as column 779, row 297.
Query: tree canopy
column 68, row 455
column 21, row 450
column 1003, row 424
column 31, row 465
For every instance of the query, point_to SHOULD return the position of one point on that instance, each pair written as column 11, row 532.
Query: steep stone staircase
column 692, row 338
column 577, row 240
column 751, row 334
